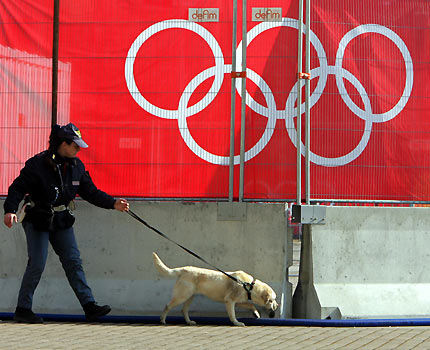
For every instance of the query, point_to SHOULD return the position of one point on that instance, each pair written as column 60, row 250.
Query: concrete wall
column 117, row 255
column 365, row 263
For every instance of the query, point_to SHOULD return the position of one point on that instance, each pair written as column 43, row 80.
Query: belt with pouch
column 62, row 207
column 71, row 206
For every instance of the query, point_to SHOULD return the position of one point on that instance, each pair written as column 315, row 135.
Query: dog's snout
column 273, row 307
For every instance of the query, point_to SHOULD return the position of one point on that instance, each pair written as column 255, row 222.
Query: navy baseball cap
column 71, row 132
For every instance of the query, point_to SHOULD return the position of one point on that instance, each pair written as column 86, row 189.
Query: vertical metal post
column 307, row 104
column 243, row 103
column 233, row 105
column 55, row 62
column 299, row 102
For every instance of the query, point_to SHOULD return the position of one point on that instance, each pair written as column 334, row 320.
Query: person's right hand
column 122, row 205
column 9, row 219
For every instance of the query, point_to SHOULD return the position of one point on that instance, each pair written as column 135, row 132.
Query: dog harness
column 248, row 287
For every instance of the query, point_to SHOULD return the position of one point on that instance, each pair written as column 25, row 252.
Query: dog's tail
column 162, row 269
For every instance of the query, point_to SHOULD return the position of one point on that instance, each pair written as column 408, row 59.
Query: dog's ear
column 266, row 297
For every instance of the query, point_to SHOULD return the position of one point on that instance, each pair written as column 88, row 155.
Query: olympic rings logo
column 271, row 112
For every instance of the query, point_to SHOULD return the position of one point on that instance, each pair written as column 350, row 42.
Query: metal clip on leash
column 246, row 285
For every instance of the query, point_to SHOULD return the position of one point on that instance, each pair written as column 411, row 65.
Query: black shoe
column 23, row 315
column 94, row 311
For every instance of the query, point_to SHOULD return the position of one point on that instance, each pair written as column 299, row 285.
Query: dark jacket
column 51, row 180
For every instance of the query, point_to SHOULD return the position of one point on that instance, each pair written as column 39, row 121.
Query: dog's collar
column 248, row 287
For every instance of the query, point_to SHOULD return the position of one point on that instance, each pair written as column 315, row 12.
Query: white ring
column 252, row 34
column 202, row 153
column 145, row 35
column 347, row 158
column 375, row 28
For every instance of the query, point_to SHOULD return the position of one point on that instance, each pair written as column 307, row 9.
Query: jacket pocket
column 63, row 219
column 41, row 217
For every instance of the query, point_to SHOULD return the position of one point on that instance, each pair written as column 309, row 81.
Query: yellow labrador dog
column 218, row 287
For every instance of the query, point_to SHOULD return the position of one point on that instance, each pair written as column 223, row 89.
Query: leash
column 246, row 285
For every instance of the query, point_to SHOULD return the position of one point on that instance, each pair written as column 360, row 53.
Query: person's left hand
column 121, row 205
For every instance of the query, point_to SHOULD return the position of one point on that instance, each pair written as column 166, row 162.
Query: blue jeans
column 64, row 244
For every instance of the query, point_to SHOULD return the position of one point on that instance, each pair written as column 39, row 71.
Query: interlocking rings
column 270, row 112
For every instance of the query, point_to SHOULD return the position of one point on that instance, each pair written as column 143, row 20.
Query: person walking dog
column 48, row 183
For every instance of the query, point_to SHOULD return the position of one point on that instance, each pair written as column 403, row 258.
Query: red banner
column 149, row 85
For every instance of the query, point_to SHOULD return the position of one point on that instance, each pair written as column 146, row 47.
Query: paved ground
column 75, row 336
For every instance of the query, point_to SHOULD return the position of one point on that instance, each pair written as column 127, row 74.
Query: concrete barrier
column 365, row 262
column 117, row 255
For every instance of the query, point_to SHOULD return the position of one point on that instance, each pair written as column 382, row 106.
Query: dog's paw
column 240, row 324
column 191, row 323
column 256, row 314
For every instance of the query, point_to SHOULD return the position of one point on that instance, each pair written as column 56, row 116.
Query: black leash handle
column 246, row 285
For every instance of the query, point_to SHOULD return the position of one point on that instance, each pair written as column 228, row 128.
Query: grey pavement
column 73, row 336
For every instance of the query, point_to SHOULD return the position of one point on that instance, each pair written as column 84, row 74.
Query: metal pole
column 299, row 102
column 307, row 104
column 55, row 62
column 233, row 105
column 243, row 104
